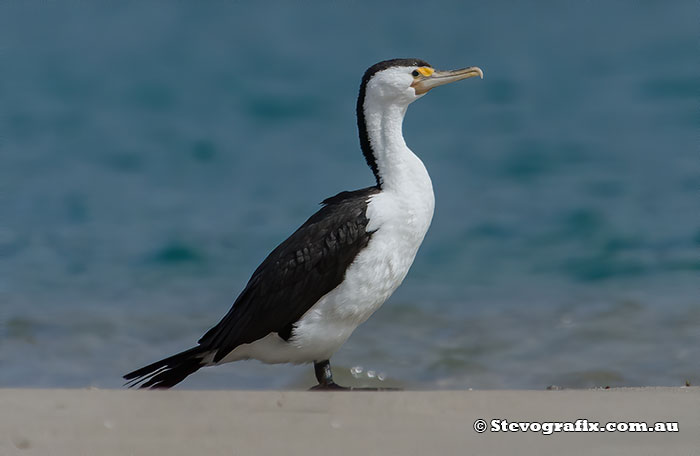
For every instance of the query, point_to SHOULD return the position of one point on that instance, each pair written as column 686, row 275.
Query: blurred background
column 152, row 154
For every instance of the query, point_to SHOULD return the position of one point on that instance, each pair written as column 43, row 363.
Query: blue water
column 152, row 154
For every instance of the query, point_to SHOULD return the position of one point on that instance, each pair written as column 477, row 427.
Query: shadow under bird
column 308, row 296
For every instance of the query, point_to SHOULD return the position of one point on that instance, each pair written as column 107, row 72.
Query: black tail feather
column 167, row 372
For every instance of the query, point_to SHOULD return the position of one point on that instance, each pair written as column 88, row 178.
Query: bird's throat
column 398, row 167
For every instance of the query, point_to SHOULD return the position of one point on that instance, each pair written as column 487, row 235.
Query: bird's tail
column 168, row 372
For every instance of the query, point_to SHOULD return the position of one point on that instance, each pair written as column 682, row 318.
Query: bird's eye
column 415, row 73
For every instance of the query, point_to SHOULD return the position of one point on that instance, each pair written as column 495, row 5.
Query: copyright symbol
column 480, row 426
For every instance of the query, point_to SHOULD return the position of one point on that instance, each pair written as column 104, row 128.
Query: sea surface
column 153, row 153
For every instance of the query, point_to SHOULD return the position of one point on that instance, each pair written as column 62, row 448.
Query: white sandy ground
column 112, row 422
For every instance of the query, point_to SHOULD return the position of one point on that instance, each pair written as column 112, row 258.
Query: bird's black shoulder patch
column 352, row 196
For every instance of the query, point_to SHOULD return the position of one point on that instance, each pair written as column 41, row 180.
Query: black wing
column 301, row 270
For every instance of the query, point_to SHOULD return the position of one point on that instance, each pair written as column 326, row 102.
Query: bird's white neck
column 398, row 167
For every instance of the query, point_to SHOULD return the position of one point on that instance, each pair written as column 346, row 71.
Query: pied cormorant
column 308, row 296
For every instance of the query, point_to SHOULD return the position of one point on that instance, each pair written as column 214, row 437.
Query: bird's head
column 396, row 84
column 403, row 81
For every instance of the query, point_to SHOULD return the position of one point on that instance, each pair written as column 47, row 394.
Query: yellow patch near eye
column 425, row 71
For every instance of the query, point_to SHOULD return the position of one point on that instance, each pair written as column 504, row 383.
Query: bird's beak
column 429, row 79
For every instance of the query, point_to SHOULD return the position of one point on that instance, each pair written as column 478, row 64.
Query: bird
column 313, row 290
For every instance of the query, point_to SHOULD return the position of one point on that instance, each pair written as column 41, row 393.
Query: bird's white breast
column 399, row 219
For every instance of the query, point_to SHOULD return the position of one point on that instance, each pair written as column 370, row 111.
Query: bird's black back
column 299, row 272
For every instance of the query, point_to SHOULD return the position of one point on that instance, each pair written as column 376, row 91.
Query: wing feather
column 299, row 272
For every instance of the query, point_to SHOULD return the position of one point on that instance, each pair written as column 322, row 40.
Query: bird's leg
column 325, row 380
column 324, row 375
